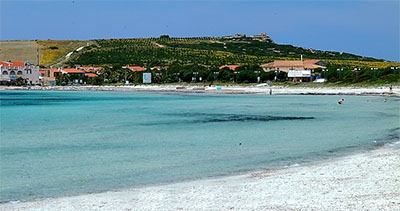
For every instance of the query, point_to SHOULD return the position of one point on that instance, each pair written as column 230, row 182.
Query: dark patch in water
column 219, row 118
column 34, row 101
column 245, row 118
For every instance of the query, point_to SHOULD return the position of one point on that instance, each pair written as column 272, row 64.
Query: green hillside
column 210, row 51
column 200, row 55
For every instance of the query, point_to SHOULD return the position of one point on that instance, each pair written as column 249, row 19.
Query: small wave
column 295, row 165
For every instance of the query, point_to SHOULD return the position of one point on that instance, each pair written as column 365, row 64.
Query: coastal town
column 29, row 74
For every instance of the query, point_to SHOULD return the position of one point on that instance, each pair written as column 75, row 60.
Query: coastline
column 365, row 181
column 257, row 89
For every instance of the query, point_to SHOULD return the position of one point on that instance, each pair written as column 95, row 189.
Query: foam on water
column 66, row 143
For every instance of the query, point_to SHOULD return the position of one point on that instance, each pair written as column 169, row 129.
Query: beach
column 228, row 89
column 365, row 181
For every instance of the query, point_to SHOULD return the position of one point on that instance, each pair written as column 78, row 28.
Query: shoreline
column 258, row 89
column 365, row 181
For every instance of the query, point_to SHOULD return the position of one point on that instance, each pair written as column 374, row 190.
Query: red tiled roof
column 72, row 70
column 135, row 68
column 231, row 67
column 311, row 61
column 89, row 69
column 55, row 70
column 13, row 64
column 307, row 64
column 91, row 75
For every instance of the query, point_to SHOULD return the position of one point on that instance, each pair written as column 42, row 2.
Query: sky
column 368, row 28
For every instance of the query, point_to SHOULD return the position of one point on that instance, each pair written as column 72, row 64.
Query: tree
column 20, row 81
column 63, row 79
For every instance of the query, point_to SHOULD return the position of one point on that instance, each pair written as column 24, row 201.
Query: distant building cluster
column 262, row 37
column 31, row 74
column 297, row 71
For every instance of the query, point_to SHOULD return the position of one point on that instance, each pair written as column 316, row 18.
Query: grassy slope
column 51, row 51
column 24, row 50
column 54, row 51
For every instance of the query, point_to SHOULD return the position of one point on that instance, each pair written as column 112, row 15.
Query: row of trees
column 244, row 74
column 355, row 75
column 176, row 73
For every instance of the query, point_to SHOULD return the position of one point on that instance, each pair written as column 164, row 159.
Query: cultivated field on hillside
column 24, row 50
column 54, row 52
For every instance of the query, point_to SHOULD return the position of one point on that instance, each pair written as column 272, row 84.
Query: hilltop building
column 10, row 71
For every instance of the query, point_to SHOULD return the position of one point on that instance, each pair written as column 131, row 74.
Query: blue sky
column 364, row 27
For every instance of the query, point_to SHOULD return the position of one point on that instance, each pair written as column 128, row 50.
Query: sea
column 64, row 143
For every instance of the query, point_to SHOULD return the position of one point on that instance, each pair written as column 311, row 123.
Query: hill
column 210, row 51
column 196, row 54
column 23, row 50
column 47, row 52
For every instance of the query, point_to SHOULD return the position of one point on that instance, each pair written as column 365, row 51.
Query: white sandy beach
column 366, row 181
column 257, row 89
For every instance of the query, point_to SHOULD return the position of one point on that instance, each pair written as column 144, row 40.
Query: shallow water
column 65, row 143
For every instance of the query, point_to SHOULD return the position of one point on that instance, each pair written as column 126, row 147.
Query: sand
column 365, row 181
column 254, row 89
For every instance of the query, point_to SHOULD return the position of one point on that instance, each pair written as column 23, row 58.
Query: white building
column 10, row 71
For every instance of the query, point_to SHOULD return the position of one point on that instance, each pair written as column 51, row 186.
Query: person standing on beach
column 270, row 91
column 390, row 89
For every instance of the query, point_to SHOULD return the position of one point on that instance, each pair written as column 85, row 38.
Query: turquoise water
column 66, row 143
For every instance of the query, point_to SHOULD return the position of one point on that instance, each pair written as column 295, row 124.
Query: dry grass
column 51, row 51
column 54, row 51
column 18, row 51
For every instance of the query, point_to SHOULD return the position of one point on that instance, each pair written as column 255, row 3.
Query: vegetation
column 198, row 59
column 203, row 50
column 54, row 52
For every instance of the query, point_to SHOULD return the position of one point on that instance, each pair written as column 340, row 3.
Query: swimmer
column 341, row 101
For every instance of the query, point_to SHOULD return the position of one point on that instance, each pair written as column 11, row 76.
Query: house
column 10, row 71
column 231, row 67
column 91, row 75
column 76, row 74
column 49, row 75
column 89, row 69
column 73, row 72
column 135, row 68
column 298, row 70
